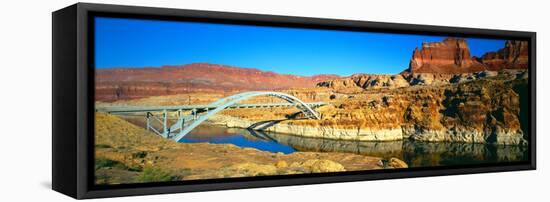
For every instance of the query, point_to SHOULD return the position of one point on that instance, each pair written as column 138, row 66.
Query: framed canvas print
column 153, row 100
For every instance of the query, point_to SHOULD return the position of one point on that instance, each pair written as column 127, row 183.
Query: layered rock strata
column 488, row 110
column 452, row 56
column 328, row 132
column 359, row 82
column 515, row 55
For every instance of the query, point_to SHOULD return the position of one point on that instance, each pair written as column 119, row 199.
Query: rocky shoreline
column 368, row 134
column 310, row 131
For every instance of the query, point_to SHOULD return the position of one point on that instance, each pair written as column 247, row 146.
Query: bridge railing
column 144, row 109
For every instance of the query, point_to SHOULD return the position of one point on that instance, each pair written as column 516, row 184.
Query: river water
column 415, row 154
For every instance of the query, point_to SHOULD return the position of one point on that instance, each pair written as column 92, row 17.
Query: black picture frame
column 73, row 100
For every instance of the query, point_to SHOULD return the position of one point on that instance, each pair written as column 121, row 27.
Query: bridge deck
column 128, row 109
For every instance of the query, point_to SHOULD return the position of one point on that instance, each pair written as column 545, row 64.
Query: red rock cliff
column 452, row 55
column 515, row 55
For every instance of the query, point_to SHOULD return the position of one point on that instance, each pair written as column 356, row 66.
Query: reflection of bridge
column 200, row 113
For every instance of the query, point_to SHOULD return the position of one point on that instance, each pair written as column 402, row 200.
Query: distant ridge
column 130, row 83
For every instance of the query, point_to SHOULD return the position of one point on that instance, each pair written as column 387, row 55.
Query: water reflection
column 416, row 154
column 238, row 137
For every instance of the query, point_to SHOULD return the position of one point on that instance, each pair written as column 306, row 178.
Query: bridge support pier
column 148, row 118
column 166, row 130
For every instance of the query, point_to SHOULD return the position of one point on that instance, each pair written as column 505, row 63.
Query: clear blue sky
column 152, row 43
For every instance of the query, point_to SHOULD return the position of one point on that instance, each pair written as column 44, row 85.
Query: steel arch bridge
column 201, row 113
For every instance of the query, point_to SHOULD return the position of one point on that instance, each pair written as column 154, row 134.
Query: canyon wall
column 515, row 55
column 452, row 56
column 489, row 109
column 359, row 82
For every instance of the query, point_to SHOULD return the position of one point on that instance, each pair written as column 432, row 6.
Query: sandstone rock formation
column 452, row 55
column 490, row 108
column 515, row 55
column 406, row 79
column 326, row 129
column 397, row 163
column 423, row 79
column 367, row 81
column 322, row 166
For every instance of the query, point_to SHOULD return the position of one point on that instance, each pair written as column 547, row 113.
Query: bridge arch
column 226, row 102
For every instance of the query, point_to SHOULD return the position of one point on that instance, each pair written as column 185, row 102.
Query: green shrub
column 155, row 175
column 108, row 163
